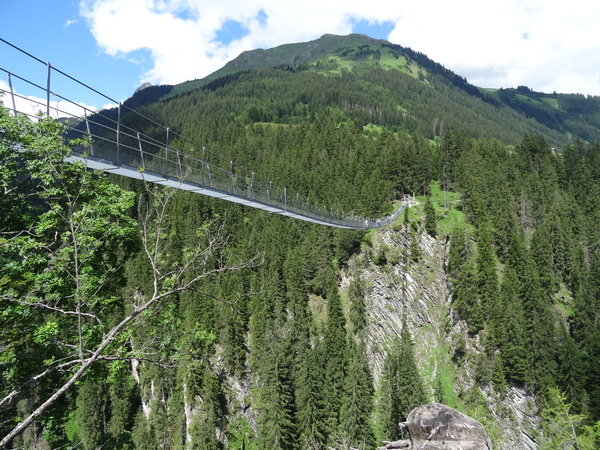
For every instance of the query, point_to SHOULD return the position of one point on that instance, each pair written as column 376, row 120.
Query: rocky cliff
column 396, row 287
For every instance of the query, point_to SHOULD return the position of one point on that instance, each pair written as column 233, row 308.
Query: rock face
column 419, row 291
column 435, row 426
column 438, row 427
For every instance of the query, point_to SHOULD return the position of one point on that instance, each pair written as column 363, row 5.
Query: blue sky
column 116, row 45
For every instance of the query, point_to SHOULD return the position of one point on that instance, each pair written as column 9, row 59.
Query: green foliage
column 401, row 388
column 559, row 424
column 348, row 133
column 430, row 219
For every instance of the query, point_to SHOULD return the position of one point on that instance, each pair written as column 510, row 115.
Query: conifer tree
column 335, row 354
column 541, row 252
column 539, row 324
column 459, row 252
column 430, row 218
column 310, row 406
column 90, row 409
column 277, row 424
column 487, row 278
column 466, row 299
column 401, row 387
column 204, row 424
column 358, row 315
column 509, row 335
column 410, row 386
column 357, row 403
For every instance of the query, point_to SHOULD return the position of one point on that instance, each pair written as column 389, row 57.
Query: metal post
column 285, row 199
column 48, row 91
column 12, row 94
column 252, row 185
column 87, row 127
column 167, row 156
column 118, row 134
column 141, row 151
column 230, row 177
column 269, row 193
column 179, row 163
column 203, row 153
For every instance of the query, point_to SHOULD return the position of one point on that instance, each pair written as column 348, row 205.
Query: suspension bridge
column 119, row 149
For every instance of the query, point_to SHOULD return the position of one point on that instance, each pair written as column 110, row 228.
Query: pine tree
column 358, row 314
column 410, row 386
column 459, row 252
column 204, row 424
column 311, row 416
column 430, row 218
column 357, row 403
column 466, row 299
column 510, row 336
column 90, row 414
column 401, row 386
column 276, row 418
column 335, row 354
column 487, row 278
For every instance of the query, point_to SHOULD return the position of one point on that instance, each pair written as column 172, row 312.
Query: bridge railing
column 115, row 144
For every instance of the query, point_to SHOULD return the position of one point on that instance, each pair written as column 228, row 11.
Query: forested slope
column 272, row 350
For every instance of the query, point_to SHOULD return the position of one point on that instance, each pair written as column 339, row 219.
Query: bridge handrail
column 116, row 145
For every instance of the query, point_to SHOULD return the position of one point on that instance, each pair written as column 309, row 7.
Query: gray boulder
column 438, row 427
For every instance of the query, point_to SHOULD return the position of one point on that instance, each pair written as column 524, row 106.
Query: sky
column 114, row 46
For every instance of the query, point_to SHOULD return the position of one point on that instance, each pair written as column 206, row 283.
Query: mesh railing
column 139, row 155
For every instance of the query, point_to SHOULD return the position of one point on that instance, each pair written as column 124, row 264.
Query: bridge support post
column 48, row 91
column 231, row 177
column 285, row 199
column 203, row 154
column 167, row 156
column 12, row 95
column 119, row 135
column 179, row 164
column 141, row 151
column 87, row 127
column 252, row 185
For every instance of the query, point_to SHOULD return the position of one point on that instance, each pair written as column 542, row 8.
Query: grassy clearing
column 551, row 101
column 492, row 92
column 447, row 218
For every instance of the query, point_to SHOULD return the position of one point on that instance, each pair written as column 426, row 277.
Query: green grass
column 447, row 218
column 491, row 92
column 551, row 101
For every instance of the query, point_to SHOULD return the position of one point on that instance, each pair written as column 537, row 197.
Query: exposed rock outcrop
column 420, row 292
column 438, row 427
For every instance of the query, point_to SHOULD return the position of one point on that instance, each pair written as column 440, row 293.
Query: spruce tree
column 459, row 252
column 335, row 354
column 90, row 414
column 410, row 392
column 487, row 278
column 466, row 299
column 357, row 404
column 276, row 418
column 310, row 406
column 510, row 337
column 358, row 313
column 430, row 218
column 401, row 387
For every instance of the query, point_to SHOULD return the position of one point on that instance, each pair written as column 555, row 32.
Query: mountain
column 484, row 296
column 559, row 117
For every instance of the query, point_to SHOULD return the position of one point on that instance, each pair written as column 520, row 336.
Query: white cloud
column 32, row 105
column 539, row 43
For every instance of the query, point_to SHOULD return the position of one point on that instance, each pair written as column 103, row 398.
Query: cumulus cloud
column 32, row 105
column 539, row 43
